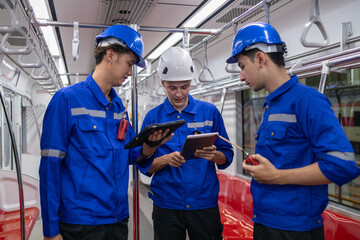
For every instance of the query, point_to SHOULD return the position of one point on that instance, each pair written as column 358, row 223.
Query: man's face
column 122, row 67
column 177, row 93
column 250, row 72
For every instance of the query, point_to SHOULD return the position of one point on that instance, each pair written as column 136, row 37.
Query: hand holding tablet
column 197, row 141
column 142, row 137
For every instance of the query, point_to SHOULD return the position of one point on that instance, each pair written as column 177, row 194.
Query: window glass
column 6, row 137
column 343, row 90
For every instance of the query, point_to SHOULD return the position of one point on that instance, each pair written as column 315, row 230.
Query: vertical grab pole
column 134, row 110
column 18, row 168
column 324, row 73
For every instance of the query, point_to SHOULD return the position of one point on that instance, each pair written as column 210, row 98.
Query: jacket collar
column 94, row 87
column 190, row 108
column 282, row 89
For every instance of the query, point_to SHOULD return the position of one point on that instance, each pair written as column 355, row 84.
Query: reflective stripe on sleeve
column 282, row 117
column 84, row 111
column 200, row 124
column 53, row 153
column 348, row 156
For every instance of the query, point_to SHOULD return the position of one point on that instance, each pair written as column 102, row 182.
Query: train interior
column 48, row 45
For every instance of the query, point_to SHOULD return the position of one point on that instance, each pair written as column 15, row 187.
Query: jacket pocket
column 92, row 138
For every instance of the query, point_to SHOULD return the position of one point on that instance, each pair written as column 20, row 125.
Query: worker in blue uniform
column 84, row 170
column 300, row 145
column 185, row 192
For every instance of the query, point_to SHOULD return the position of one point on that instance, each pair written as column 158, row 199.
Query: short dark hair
column 276, row 57
column 100, row 52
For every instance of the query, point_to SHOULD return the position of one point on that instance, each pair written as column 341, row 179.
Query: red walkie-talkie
column 123, row 126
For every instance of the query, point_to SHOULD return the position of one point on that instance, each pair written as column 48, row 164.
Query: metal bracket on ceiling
column 267, row 10
column 75, row 42
column 346, row 32
column 186, row 39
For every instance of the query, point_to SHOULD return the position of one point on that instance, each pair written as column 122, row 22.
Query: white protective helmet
column 175, row 64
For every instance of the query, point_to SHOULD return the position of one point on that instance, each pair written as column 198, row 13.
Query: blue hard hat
column 127, row 35
column 251, row 34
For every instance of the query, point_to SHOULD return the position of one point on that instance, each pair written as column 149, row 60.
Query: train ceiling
column 145, row 13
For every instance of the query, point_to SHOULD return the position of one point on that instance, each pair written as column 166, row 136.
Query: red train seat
column 10, row 223
column 10, row 228
column 235, row 203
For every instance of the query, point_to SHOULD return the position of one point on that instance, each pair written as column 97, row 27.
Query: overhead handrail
column 227, row 69
column 46, row 83
column 160, row 91
column 17, row 165
column 25, row 51
column 37, row 64
column 14, row 21
column 75, row 42
column 324, row 74
column 350, row 61
column 40, row 76
column 314, row 19
column 205, row 67
column 300, row 62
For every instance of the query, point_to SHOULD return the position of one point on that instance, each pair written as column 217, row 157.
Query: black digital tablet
column 197, row 141
column 139, row 139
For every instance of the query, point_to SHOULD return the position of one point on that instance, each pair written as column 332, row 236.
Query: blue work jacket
column 194, row 185
column 84, row 168
column 300, row 128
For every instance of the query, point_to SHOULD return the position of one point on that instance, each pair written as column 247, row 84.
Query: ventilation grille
column 16, row 39
column 196, row 38
column 243, row 7
column 9, row 3
column 126, row 11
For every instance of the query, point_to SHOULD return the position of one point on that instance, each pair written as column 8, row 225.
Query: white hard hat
column 175, row 64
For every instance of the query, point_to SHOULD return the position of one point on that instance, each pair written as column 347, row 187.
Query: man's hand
column 155, row 137
column 211, row 154
column 57, row 237
column 208, row 153
column 174, row 159
column 265, row 172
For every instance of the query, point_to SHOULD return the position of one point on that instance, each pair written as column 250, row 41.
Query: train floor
column 146, row 228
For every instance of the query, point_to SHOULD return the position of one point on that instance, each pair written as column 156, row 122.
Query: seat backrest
column 235, row 194
column 337, row 226
column 9, row 196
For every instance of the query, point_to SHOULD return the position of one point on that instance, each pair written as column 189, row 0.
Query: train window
column 6, row 146
column 253, row 103
column 343, row 90
column 344, row 93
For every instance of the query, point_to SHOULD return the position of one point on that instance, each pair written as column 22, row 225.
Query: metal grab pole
column 324, row 73
column 134, row 109
column 18, row 168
